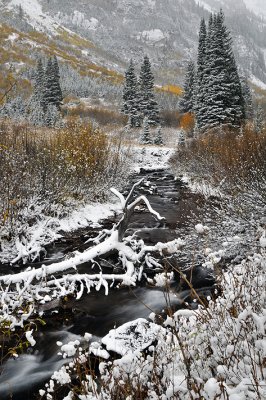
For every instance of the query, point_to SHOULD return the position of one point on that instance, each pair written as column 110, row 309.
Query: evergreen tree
column 181, row 137
column 220, row 100
column 36, row 113
column 130, row 106
column 187, row 101
column 201, row 59
column 145, row 137
column 49, row 95
column 52, row 116
column 56, row 85
column 158, row 138
column 39, row 82
column 148, row 104
column 52, row 93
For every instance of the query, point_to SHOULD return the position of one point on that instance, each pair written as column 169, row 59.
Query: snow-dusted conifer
column 148, row 105
column 201, row 59
column 52, row 93
column 130, row 105
column 159, row 138
column 56, row 84
column 36, row 113
column 145, row 137
column 187, row 101
column 52, row 116
column 181, row 137
column 222, row 100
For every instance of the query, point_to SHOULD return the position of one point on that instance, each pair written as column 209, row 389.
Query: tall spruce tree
column 130, row 94
column 148, row 105
column 187, row 101
column 219, row 93
column 50, row 90
column 201, row 59
column 145, row 137
column 56, row 85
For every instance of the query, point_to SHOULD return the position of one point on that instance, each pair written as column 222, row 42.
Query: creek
column 96, row 313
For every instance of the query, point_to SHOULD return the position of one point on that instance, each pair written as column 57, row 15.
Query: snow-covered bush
column 44, row 169
column 215, row 352
column 235, row 163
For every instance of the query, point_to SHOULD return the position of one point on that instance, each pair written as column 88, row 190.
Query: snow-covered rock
column 133, row 336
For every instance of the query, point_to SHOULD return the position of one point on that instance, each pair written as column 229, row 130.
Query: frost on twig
column 58, row 279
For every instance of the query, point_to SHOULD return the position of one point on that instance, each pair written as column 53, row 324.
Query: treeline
column 139, row 102
column 43, row 108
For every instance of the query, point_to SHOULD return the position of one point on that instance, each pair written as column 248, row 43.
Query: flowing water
column 96, row 313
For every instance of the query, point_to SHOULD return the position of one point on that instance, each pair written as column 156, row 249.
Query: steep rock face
column 166, row 30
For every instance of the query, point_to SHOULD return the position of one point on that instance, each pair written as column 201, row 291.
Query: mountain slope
column 107, row 33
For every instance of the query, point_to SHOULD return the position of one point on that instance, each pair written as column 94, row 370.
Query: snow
column 132, row 336
column 153, row 36
column 12, row 37
column 79, row 19
column 257, row 82
column 257, row 6
column 48, row 229
column 263, row 239
column 70, row 349
column 151, row 157
column 203, row 4
column 38, row 19
column 30, row 338
column 203, row 187
column 201, row 229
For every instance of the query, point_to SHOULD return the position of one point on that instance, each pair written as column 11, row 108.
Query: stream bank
column 96, row 313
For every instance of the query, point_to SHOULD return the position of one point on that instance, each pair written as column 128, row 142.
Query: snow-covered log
column 61, row 278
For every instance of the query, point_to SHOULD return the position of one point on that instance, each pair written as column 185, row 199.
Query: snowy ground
column 31, row 238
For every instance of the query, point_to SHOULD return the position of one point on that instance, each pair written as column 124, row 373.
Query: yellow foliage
column 187, row 122
column 74, row 39
column 173, row 89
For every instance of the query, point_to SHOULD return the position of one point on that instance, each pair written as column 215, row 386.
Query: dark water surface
column 96, row 313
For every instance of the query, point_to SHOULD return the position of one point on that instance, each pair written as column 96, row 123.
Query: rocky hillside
column 100, row 36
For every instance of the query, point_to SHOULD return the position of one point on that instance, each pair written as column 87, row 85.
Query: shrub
column 238, row 161
column 53, row 166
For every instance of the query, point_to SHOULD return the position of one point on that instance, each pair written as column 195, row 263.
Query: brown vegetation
column 50, row 167
column 234, row 161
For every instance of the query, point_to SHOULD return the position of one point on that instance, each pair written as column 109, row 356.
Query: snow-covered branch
column 61, row 278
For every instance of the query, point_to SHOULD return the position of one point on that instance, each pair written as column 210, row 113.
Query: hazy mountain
column 166, row 30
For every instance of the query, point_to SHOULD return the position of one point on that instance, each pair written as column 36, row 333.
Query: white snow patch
column 48, row 229
column 152, row 157
column 201, row 229
column 30, row 338
column 13, row 37
column 132, row 336
column 37, row 18
column 153, row 36
column 203, row 187
column 257, row 82
column 203, row 4
column 256, row 6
